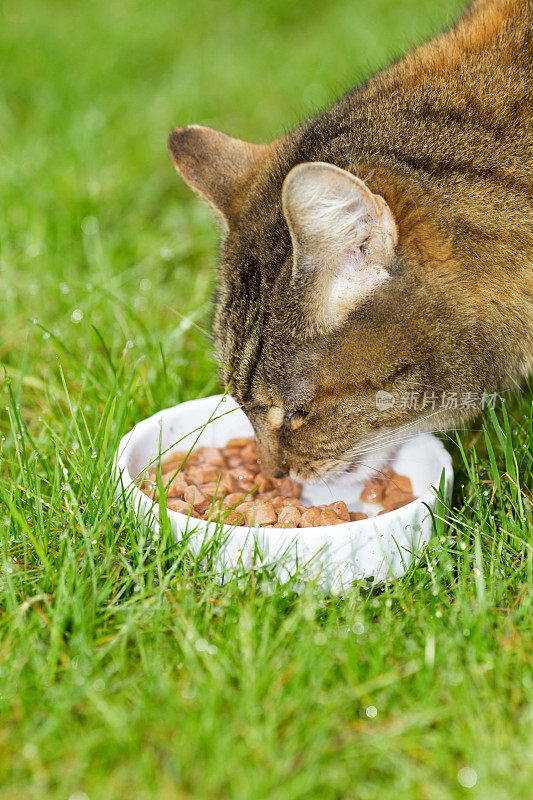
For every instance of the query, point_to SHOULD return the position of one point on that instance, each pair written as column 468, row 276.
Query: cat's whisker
column 388, row 442
column 323, row 480
column 368, row 451
column 391, row 434
column 402, row 440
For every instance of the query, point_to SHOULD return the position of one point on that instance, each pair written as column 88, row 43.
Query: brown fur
column 445, row 136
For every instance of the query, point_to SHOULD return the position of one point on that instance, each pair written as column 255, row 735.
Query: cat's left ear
column 215, row 166
column 343, row 239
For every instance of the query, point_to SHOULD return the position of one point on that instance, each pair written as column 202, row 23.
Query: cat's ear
column 214, row 165
column 343, row 238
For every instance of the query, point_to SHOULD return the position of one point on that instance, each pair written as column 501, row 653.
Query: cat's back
column 466, row 97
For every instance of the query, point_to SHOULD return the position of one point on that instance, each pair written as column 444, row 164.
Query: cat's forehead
column 278, row 370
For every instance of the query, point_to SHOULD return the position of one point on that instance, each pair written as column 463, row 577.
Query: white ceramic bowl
column 380, row 547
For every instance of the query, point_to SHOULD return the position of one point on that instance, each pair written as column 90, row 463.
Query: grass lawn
column 125, row 670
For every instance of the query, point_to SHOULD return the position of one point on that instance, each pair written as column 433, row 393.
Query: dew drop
column 467, row 777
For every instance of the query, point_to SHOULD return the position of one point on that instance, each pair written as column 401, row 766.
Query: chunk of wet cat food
column 262, row 514
column 396, row 490
column 289, row 516
column 310, row 517
column 340, row 509
column 399, row 482
column 213, row 457
column 396, row 499
column 249, row 453
column 226, row 484
column 328, row 517
column 174, row 460
column 233, row 499
column 238, row 444
column 202, row 474
column 196, row 497
column 175, row 485
column 372, row 491
column 178, row 505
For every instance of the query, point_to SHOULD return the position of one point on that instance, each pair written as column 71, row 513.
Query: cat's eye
column 295, row 419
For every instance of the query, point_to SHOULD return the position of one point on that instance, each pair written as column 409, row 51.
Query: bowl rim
column 190, row 524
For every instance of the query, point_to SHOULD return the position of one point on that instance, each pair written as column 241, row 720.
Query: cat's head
column 328, row 331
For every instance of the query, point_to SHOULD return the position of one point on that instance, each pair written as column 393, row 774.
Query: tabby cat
column 376, row 273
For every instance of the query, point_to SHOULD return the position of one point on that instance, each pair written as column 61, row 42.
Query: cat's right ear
column 214, row 165
column 343, row 238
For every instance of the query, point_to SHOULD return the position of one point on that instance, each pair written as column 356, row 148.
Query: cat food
column 212, row 483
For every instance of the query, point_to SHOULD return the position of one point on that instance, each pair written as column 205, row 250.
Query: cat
column 376, row 272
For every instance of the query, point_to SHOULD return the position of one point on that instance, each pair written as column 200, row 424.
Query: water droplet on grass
column 371, row 712
column 467, row 777
column 77, row 315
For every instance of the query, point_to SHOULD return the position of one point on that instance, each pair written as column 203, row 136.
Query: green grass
column 125, row 670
